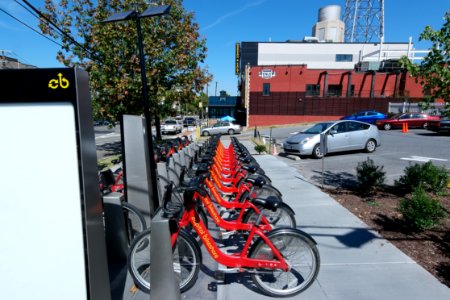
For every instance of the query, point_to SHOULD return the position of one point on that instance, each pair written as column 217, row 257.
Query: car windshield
column 170, row 122
column 317, row 128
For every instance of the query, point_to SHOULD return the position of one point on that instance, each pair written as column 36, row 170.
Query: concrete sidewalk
column 356, row 263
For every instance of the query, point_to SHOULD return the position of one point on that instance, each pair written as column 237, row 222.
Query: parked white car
column 171, row 126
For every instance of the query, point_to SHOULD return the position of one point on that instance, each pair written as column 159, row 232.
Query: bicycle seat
column 202, row 168
column 271, row 202
column 189, row 190
column 245, row 160
column 256, row 180
column 250, row 168
column 203, row 176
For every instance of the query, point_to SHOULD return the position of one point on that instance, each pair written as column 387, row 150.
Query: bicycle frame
column 235, row 224
column 238, row 260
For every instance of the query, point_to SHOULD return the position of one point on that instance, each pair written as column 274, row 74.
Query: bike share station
column 61, row 239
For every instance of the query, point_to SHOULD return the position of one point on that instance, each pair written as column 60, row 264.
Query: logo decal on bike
column 206, row 238
column 59, row 82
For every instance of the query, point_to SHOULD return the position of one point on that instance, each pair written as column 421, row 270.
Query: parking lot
column 397, row 151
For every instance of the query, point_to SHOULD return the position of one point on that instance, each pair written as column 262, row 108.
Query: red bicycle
column 282, row 262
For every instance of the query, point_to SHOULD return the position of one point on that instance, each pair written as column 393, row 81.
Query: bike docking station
column 52, row 218
column 138, row 192
column 65, row 225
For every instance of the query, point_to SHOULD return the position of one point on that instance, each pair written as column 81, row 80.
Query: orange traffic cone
column 405, row 127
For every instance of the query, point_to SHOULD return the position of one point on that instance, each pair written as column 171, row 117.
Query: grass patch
column 107, row 162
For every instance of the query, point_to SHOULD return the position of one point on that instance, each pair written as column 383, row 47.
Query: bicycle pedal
column 219, row 275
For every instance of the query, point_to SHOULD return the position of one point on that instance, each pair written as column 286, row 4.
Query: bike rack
column 116, row 243
column 136, row 163
column 164, row 284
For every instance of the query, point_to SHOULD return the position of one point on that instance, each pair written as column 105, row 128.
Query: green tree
column 433, row 73
column 173, row 47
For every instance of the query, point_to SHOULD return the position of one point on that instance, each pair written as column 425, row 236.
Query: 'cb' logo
column 60, row 82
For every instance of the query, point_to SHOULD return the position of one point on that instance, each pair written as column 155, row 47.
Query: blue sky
column 224, row 23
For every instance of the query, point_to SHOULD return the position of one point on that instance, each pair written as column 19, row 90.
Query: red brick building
column 294, row 94
column 294, row 82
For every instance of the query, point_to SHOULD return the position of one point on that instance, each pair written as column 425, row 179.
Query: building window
column 266, row 89
column 313, row 90
column 352, row 90
column 344, row 57
column 334, row 90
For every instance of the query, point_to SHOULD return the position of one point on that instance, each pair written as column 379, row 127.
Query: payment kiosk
column 51, row 222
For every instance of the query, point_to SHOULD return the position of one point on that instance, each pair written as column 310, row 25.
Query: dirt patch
column 430, row 249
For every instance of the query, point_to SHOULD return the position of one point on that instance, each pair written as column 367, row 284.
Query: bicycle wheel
column 300, row 252
column 282, row 217
column 266, row 191
column 134, row 219
column 186, row 260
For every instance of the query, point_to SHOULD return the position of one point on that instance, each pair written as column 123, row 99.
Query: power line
column 18, row 56
column 41, row 15
column 27, row 9
column 1, row 9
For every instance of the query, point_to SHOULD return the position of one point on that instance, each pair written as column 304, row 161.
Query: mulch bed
column 430, row 249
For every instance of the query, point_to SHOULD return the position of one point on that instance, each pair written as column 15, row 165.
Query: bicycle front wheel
column 266, row 191
column 282, row 217
column 186, row 260
column 300, row 252
column 134, row 219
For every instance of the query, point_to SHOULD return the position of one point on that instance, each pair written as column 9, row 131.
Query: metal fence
column 403, row 107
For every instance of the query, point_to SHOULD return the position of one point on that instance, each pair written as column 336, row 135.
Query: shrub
column 370, row 177
column 260, row 148
column 427, row 175
column 421, row 211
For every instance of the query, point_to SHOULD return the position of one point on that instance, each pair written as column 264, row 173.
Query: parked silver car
column 222, row 127
column 340, row 136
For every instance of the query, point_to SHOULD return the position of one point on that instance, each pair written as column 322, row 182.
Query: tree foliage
column 173, row 51
column 433, row 73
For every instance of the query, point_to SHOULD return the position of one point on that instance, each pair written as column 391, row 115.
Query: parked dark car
column 101, row 123
column 443, row 125
column 368, row 116
column 417, row 120
column 189, row 121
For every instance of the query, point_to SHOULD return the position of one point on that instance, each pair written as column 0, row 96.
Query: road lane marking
column 109, row 135
column 422, row 159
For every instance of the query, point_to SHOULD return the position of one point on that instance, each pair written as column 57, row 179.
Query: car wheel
column 425, row 125
column 371, row 145
column 316, row 152
column 230, row 131
column 387, row 126
column 205, row 133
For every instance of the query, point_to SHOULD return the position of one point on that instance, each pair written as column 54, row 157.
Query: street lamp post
column 133, row 14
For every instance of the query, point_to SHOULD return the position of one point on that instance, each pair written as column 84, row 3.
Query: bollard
column 164, row 285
